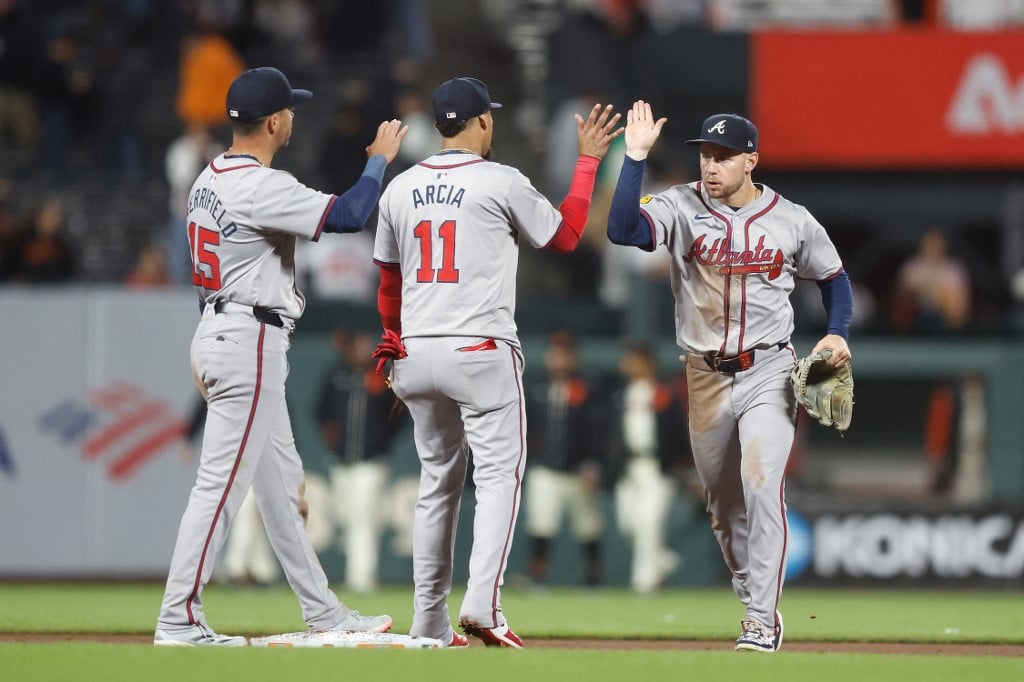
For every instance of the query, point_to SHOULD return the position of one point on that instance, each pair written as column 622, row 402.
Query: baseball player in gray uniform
column 243, row 221
column 448, row 248
column 736, row 248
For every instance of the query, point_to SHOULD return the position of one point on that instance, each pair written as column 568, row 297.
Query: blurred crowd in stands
column 109, row 108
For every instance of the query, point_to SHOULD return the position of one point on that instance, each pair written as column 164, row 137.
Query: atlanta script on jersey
column 747, row 264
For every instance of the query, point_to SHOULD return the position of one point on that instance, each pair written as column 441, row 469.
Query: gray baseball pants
column 463, row 403
column 241, row 363
column 741, row 431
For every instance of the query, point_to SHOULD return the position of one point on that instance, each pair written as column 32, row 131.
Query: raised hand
column 597, row 132
column 641, row 130
column 388, row 140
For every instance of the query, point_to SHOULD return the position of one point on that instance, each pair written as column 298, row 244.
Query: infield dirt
column 893, row 648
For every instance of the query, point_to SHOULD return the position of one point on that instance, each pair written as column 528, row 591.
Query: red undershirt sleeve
column 389, row 297
column 575, row 208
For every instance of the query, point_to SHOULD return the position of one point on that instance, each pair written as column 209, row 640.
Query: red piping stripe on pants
column 515, row 496
column 231, row 479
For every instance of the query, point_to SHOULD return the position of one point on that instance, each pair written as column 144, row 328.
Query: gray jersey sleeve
column 660, row 213
column 284, row 204
column 385, row 243
column 817, row 257
column 530, row 212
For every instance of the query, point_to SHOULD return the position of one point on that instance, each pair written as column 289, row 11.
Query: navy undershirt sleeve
column 625, row 226
column 837, row 296
column 353, row 208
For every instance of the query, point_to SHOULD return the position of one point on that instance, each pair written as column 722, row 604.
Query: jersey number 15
column 425, row 273
column 199, row 241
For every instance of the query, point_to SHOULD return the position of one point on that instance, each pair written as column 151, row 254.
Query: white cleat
column 194, row 635
column 353, row 621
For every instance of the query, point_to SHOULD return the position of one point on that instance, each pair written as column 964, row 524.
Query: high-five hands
column 597, row 132
column 641, row 130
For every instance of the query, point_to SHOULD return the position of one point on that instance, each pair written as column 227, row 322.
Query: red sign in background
column 921, row 98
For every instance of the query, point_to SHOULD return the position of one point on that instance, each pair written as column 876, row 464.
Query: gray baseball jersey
column 452, row 224
column 454, row 221
column 732, row 274
column 243, row 220
column 762, row 248
column 259, row 211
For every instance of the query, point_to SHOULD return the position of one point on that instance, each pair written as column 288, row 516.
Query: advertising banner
column 907, row 548
column 889, row 99
column 95, row 396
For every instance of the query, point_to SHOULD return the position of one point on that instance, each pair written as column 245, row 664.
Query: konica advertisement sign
column 906, row 548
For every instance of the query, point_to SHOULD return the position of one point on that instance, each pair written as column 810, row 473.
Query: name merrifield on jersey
column 438, row 194
column 207, row 200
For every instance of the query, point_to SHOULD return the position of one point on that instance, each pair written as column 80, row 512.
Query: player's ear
column 752, row 161
column 483, row 120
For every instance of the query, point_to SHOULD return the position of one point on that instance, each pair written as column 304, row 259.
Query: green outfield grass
column 62, row 662
column 811, row 615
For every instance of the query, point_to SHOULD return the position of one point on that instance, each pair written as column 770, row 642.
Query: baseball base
column 345, row 640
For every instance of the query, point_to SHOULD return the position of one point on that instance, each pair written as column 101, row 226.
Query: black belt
column 261, row 314
column 737, row 363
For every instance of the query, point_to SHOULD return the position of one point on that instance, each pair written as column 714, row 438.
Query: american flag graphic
column 118, row 424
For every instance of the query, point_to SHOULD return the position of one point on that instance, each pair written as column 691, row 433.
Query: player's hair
column 246, row 128
column 451, row 128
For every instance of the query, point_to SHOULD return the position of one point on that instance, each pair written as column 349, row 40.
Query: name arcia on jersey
column 449, row 195
column 206, row 199
column 731, row 262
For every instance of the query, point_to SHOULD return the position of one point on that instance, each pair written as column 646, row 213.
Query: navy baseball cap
column 460, row 99
column 728, row 130
column 260, row 92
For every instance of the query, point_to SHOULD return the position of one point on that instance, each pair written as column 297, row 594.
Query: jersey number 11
column 425, row 233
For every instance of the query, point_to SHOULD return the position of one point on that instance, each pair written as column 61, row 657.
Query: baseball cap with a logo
column 260, row 92
column 460, row 99
column 729, row 130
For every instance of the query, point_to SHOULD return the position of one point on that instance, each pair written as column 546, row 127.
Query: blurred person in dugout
column 208, row 64
column 933, row 290
column 358, row 426
column 564, row 469
column 933, row 296
column 150, row 269
column 650, row 444
column 43, row 253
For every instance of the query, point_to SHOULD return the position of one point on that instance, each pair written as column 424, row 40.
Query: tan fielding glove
column 825, row 392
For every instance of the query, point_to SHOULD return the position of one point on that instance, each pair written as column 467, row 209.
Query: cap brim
column 301, row 95
column 701, row 140
column 495, row 105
